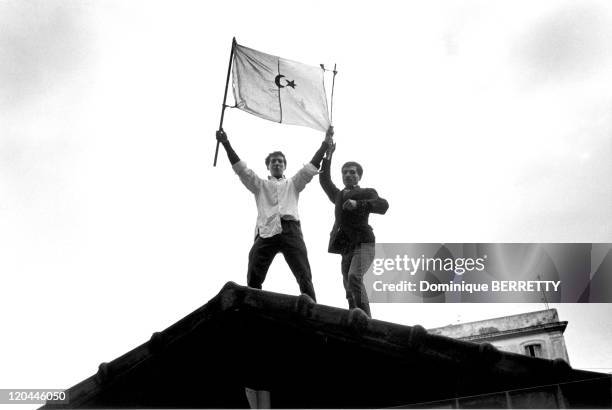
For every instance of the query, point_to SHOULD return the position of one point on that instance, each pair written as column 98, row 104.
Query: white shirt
column 275, row 198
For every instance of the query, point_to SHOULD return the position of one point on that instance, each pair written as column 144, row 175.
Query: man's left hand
column 349, row 205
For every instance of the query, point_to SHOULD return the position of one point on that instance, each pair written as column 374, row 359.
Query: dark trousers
column 291, row 244
column 354, row 265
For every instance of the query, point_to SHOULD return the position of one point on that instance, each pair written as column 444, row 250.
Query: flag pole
column 229, row 70
column 331, row 110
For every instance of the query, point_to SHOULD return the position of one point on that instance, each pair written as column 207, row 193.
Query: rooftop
column 307, row 355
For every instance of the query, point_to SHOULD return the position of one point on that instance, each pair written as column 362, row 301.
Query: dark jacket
column 351, row 227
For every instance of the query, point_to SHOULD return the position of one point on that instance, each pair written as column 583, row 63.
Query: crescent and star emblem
column 287, row 82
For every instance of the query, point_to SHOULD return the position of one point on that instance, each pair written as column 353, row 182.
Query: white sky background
column 484, row 121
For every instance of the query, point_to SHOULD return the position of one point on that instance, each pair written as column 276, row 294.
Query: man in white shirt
column 278, row 223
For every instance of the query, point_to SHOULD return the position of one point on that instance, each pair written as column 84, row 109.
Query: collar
column 350, row 189
column 271, row 178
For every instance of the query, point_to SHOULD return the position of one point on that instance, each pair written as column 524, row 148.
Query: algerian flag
column 279, row 90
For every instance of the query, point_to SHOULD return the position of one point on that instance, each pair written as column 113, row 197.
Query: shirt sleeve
column 304, row 176
column 247, row 176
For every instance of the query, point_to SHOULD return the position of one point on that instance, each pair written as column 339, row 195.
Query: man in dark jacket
column 351, row 235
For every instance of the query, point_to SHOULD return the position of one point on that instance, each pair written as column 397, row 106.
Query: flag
column 279, row 90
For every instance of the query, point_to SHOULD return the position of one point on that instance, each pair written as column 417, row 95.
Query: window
column 533, row 350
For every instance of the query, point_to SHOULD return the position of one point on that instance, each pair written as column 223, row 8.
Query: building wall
column 553, row 343
column 514, row 333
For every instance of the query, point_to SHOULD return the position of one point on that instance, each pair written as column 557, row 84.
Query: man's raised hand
column 329, row 139
column 221, row 136
column 329, row 135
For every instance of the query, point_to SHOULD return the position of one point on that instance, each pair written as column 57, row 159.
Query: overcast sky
column 479, row 121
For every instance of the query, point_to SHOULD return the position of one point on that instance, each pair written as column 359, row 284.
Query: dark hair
column 356, row 165
column 275, row 154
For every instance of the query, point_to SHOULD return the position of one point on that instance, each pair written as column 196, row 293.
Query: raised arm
column 247, row 176
column 231, row 154
column 325, row 176
column 305, row 175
